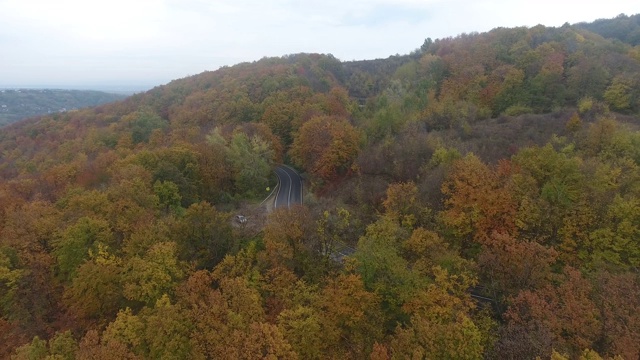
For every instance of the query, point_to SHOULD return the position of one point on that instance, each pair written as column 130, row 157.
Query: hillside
column 18, row 104
column 623, row 28
column 489, row 185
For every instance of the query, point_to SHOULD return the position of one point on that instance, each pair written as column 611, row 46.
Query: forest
column 18, row 104
column 487, row 184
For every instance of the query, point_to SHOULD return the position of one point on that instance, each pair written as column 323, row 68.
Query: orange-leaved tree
column 326, row 146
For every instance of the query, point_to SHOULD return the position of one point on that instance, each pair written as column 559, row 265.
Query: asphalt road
column 289, row 187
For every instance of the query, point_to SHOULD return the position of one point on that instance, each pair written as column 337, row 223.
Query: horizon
column 65, row 46
column 114, row 89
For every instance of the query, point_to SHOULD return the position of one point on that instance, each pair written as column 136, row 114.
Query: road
column 290, row 192
column 289, row 187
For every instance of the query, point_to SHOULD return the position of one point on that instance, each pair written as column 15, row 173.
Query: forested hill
column 501, row 166
column 624, row 28
column 18, row 104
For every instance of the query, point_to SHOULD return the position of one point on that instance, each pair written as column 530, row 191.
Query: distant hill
column 18, row 104
column 624, row 28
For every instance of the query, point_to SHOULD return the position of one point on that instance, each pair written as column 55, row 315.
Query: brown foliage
column 326, row 146
column 479, row 200
column 567, row 311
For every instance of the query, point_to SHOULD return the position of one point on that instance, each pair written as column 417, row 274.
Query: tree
column 62, row 346
column 287, row 236
column 92, row 348
column 326, row 146
column 168, row 196
column 301, row 327
column 384, row 271
column 403, row 205
column 251, row 160
column 426, row 250
column 617, row 295
column 147, row 278
column 336, row 229
column 350, row 317
column 574, row 123
column 510, row 265
column 618, row 94
column 167, row 330
column 176, row 164
column 215, row 172
column 441, row 326
column 28, row 268
column 37, row 349
column 615, row 242
column 73, row 247
column 261, row 340
column 208, row 311
column 10, row 275
column 203, row 235
column 547, row 188
column 479, row 200
column 95, row 293
column 142, row 124
column 566, row 311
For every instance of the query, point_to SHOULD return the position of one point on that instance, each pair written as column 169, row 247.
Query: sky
column 139, row 44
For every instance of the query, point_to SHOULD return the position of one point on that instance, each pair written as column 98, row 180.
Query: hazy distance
column 121, row 45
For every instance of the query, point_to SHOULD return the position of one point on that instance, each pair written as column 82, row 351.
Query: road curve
column 289, row 187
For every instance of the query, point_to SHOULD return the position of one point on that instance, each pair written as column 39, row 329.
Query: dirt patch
column 256, row 216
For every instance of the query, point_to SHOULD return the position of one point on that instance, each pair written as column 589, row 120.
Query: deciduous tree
column 326, row 146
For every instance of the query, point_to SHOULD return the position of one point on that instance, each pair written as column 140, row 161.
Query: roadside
column 255, row 214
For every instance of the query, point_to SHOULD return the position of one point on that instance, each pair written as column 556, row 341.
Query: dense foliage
column 478, row 198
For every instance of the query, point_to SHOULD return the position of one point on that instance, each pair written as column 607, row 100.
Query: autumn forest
column 478, row 198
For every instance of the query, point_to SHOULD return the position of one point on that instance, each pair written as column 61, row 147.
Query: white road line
column 299, row 179
column 290, row 183
column 481, row 297
column 275, row 203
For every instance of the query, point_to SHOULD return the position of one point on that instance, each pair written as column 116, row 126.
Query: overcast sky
column 138, row 44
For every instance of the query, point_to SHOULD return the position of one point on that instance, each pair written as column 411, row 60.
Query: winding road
column 289, row 187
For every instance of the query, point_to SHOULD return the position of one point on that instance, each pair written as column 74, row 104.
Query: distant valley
column 18, row 104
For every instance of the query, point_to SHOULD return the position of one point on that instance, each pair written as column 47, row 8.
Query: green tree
column 384, row 271
column 63, row 346
column 147, row 278
column 142, row 123
column 168, row 195
column 301, row 327
column 203, row 235
column 35, row 350
column 251, row 160
column 72, row 249
column 618, row 94
column 167, row 330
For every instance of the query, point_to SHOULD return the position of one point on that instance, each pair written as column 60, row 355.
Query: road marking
column 275, row 203
column 290, row 183
column 290, row 174
column 299, row 180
